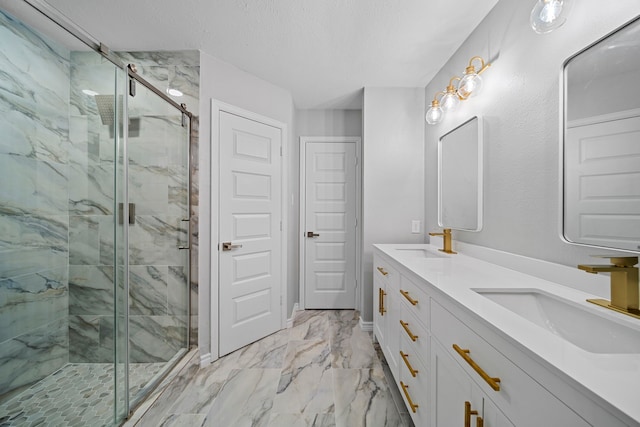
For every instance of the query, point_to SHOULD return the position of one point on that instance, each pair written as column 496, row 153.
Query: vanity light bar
column 468, row 86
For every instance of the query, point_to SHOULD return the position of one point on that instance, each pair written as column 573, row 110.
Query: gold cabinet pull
column 467, row 414
column 405, row 357
column 492, row 381
column 381, row 270
column 405, row 325
column 405, row 389
column 479, row 422
column 381, row 294
column 406, row 295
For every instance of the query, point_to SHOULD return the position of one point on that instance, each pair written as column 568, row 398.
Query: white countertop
column 613, row 378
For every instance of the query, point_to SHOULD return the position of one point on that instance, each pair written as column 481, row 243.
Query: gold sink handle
column 625, row 290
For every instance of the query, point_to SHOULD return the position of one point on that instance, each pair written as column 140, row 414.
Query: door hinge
column 281, row 151
column 280, row 225
column 356, row 222
column 356, row 161
column 280, row 299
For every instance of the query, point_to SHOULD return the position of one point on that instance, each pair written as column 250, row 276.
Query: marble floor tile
column 363, row 399
column 264, row 354
column 307, row 390
column 323, row 372
column 351, row 347
column 246, row 399
column 302, row 420
column 183, row 420
column 310, row 325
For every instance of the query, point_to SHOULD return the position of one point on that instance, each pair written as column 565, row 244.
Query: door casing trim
column 301, row 232
column 216, row 108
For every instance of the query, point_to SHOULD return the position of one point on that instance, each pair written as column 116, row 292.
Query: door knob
column 227, row 246
column 312, row 234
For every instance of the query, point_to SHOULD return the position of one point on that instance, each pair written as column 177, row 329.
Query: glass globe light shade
column 449, row 101
column 434, row 114
column 470, row 85
column 547, row 15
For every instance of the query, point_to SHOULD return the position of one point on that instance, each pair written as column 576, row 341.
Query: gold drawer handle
column 405, row 388
column 381, row 294
column 405, row 325
column 405, row 357
column 381, row 270
column 406, row 295
column 492, row 381
column 467, row 414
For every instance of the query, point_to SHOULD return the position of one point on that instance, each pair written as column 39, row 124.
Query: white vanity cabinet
column 386, row 311
column 455, row 369
column 414, row 349
column 457, row 400
column 499, row 379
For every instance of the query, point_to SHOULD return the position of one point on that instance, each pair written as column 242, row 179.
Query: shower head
column 106, row 108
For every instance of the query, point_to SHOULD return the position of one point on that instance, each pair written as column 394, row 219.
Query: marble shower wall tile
column 31, row 243
column 155, row 338
column 91, row 290
column 34, row 223
column 30, row 301
column 148, row 290
column 32, row 356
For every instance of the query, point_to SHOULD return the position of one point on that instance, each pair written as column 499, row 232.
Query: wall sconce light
column 547, row 15
column 435, row 114
column 451, row 99
column 468, row 86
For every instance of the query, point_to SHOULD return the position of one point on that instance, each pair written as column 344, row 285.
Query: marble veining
column 297, row 387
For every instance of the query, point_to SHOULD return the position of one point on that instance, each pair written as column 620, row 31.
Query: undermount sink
column 577, row 324
column 420, row 253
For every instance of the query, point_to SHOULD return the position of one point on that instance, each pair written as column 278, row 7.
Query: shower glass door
column 157, row 218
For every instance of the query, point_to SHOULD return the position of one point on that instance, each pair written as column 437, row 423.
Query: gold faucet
column 446, row 238
column 625, row 290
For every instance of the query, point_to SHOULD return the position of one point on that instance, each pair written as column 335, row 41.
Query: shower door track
column 65, row 23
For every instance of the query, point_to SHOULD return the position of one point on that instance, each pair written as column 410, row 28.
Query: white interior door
column 250, row 304
column 330, row 225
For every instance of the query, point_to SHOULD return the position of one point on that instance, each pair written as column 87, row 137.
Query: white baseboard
column 296, row 307
column 205, row 360
column 366, row 326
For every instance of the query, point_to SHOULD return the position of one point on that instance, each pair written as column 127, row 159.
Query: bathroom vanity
column 476, row 344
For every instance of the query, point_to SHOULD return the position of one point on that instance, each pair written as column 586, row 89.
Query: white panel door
column 602, row 183
column 250, row 215
column 330, row 217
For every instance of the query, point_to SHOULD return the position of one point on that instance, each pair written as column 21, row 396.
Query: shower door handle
column 132, row 213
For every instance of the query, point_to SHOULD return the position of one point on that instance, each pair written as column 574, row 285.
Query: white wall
column 520, row 105
column 316, row 123
column 393, row 174
column 328, row 123
column 224, row 82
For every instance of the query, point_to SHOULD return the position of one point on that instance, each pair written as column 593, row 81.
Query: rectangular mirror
column 460, row 156
column 601, row 143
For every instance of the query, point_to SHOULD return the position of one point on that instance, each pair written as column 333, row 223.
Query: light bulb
column 470, row 85
column 450, row 100
column 547, row 15
column 434, row 114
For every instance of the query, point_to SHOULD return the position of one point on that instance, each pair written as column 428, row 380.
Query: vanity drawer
column 385, row 271
column 415, row 300
column 522, row 399
column 414, row 336
column 415, row 388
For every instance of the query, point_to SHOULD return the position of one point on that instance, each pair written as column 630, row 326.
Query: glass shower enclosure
column 94, row 228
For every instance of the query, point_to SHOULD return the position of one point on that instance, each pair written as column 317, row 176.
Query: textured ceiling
column 323, row 51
